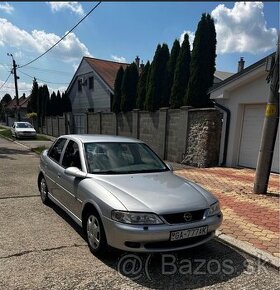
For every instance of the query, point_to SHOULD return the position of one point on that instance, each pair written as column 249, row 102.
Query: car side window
column 56, row 149
column 72, row 156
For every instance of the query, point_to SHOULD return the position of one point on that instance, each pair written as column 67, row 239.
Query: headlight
column 136, row 218
column 214, row 209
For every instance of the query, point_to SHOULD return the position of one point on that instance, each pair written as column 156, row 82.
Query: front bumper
column 156, row 238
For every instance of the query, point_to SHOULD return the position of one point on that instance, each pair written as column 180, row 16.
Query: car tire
column 44, row 191
column 95, row 233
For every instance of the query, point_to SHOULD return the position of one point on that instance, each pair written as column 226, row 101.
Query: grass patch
column 39, row 149
column 42, row 138
column 6, row 132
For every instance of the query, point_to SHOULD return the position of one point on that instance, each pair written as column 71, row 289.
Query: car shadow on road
column 5, row 152
column 209, row 264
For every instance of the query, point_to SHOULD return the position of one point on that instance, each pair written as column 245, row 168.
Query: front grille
column 177, row 244
column 178, row 218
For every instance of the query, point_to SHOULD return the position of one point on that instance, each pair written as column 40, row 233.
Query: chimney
column 241, row 64
column 137, row 61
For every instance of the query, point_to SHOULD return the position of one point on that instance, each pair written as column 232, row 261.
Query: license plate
column 190, row 233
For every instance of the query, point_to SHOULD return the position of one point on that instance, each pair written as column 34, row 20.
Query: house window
column 90, row 83
column 79, row 85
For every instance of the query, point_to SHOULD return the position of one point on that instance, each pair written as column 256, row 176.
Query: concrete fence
column 187, row 135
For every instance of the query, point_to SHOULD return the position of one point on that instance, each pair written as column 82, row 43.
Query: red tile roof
column 106, row 69
column 23, row 102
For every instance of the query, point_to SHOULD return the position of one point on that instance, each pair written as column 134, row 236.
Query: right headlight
column 136, row 218
column 214, row 209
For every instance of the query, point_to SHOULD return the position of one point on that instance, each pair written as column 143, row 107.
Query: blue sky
column 121, row 30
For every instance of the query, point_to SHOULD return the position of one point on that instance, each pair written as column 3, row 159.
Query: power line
column 32, row 77
column 63, row 36
column 5, row 81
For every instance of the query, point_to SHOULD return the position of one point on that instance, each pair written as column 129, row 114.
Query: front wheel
column 95, row 234
column 44, row 191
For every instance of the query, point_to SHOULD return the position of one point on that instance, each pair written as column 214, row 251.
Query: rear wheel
column 43, row 191
column 95, row 233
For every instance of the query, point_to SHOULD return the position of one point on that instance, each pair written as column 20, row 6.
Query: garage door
column 251, row 138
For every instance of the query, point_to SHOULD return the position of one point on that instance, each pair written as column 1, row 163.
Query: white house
column 244, row 95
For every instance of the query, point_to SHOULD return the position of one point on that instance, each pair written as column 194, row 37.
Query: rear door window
column 56, row 150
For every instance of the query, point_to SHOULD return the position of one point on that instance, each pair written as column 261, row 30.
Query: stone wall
column 203, row 137
column 190, row 136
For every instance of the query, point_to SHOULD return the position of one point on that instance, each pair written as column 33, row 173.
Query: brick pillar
column 135, row 123
column 163, row 113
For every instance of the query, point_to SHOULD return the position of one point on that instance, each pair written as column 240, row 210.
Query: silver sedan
column 123, row 195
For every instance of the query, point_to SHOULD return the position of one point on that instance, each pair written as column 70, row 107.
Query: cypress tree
column 59, row 104
column 202, row 66
column 181, row 75
column 32, row 106
column 39, row 105
column 157, row 77
column 116, row 103
column 129, row 88
column 141, row 87
column 46, row 96
column 164, row 99
column 171, row 68
column 53, row 105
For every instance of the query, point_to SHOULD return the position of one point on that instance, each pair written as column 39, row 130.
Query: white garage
column 243, row 98
column 251, row 138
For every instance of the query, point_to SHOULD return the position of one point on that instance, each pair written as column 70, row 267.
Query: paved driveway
column 41, row 248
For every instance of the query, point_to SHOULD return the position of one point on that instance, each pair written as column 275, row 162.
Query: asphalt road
column 41, row 248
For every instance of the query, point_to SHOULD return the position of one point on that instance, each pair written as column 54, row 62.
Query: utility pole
column 14, row 71
column 270, row 127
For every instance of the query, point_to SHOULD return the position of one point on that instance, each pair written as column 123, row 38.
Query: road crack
column 42, row 250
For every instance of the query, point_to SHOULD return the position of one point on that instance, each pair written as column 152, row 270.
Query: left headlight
column 136, row 218
column 214, row 209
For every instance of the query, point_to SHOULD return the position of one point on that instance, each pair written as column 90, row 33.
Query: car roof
column 22, row 122
column 86, row 138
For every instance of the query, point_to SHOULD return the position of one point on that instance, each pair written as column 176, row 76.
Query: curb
column 249, row 249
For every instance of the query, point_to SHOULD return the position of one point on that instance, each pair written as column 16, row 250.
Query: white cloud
column 68, row 50
column 191, row 37
column 118, row 58
column 9, row 88
column 6, row 7
column 243, row 28
column 75, row 7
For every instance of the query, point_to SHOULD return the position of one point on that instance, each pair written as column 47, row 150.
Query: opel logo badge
column 187, row 216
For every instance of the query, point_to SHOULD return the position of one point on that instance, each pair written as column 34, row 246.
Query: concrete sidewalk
column 251, row 218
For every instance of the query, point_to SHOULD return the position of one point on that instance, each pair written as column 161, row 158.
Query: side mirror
column 170, row 167
column 76, row 172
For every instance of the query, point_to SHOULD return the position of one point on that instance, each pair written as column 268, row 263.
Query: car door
column 52, row 167
column 70, row 184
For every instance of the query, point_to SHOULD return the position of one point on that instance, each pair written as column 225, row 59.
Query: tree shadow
column 7, row 153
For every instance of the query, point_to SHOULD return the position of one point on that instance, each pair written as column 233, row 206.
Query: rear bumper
column 156, row 238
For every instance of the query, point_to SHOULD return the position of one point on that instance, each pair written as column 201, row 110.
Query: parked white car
column 23, row 130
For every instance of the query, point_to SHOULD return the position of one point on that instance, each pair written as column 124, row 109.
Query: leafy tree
column 157, row 77
column 181, row 75
column 202, row 65
column 171, row 69
column 116, row 102
column 129, row 88
column 6, row 99
column 141, row 86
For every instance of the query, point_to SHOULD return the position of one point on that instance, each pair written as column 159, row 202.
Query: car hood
column 25, row 130
column 160, row 193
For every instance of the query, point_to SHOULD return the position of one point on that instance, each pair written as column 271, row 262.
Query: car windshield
column 24, row 125
column 121, row 158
